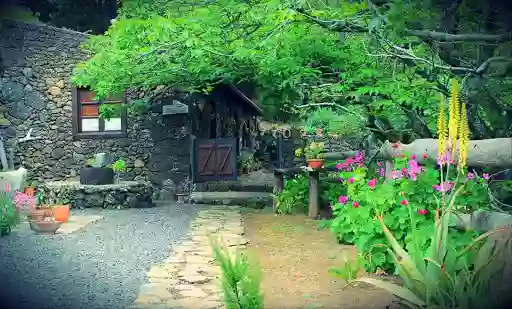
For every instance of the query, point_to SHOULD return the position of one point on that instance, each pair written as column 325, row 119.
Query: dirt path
column 295, row 257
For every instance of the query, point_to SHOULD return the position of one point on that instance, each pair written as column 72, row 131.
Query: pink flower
column 422, row 211
column 471, row 176
column 485, row 176
column 372, row 183
column 7, row 187
column 24, row 201
column 343, row 199
column 414, row 169
column 351, row 180
column 355, row 204
column 395, row 145
column 424, row 156
column 381, row 172
column 413, row 157
column 444, row 186
column 379, row 163
column 404, row 202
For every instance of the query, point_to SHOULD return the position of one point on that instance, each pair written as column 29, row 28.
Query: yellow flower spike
column 464, row 137
column 453, row 121
column 441, row 129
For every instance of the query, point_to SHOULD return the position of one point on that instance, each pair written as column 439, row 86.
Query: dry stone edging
column 189, row 278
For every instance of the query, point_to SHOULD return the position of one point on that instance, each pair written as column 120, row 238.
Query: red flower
column 379, row 163
column 413, row 157
column 424, row 156
column 372, row 183
column 404, row 202
column 422, row 212
column 355, row 204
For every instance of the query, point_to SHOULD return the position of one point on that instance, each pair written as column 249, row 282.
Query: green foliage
column 8, row 214
column 196, row 45
column 119, row 166
column 413, row 189
column 314, row 150
column 349, row 123
column 294, row 197
column 349, row 269
column 240, row 280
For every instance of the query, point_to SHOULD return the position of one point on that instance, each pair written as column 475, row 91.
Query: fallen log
column 496, row 152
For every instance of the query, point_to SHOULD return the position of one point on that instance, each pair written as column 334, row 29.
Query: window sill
column 100, row 135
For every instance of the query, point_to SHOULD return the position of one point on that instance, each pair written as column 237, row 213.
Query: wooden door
column 214, row 159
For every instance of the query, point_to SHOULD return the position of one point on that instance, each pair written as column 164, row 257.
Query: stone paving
column 77, row 222
column 188, row 278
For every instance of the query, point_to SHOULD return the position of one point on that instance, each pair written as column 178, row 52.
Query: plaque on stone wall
column 175, row 108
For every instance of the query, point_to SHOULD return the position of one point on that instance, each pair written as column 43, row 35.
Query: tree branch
column 346, row 26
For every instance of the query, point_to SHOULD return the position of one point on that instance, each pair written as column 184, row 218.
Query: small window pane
column 86, row 96
column 90, row 125
column 90, row 110
column 114, row 124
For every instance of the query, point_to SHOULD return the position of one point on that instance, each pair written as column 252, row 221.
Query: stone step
column 225, row 186
column 247, row 199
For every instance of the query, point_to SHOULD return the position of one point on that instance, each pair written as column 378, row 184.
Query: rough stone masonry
column 37, row 62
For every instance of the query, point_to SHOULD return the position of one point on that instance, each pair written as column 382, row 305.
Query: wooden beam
column 278, row 188
column 313, row 193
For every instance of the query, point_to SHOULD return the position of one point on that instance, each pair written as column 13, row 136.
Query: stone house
column 179, row 139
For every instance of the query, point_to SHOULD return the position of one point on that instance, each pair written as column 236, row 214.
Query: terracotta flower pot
column 45, row 227
column 315, row 163
column 47, row 210
column 30, row 191
column 37, row 214
column 61, row 213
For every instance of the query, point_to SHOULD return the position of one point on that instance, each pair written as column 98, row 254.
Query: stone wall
column 35, row 87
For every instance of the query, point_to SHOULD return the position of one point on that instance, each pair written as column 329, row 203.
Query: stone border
column 188, row 278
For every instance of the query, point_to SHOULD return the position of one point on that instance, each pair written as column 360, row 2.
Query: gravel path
column 100, row 266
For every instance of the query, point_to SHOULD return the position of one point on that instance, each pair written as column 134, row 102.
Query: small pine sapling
column 240, row 280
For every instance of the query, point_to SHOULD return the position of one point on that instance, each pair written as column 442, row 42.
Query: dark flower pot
column 96, row 176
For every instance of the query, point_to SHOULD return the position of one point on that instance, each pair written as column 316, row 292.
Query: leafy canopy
column 194, row 45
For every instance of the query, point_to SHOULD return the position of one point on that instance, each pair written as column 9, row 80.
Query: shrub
column 414, row 187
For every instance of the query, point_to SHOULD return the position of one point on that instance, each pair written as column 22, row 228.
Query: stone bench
column 126, row 194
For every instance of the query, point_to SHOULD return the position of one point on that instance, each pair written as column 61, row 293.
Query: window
column 87, row 122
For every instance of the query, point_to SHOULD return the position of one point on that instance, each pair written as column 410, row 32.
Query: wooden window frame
column 76, row 118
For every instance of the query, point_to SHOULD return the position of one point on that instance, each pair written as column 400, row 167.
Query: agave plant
column 437, row 280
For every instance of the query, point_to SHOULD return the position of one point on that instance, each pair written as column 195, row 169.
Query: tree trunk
column 495, row 152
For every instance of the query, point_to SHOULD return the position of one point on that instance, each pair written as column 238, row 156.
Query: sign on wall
column 175, row 108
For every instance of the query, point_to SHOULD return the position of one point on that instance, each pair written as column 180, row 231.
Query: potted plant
column 97, row 172
column 48, row 225
column 180, row 195
column 25, row 204
column 119, row 167
column 314, row 153
column 31, row 189
column 60, row 210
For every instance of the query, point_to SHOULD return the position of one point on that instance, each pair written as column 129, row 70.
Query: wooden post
column 314, row 176
column 278, row 187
